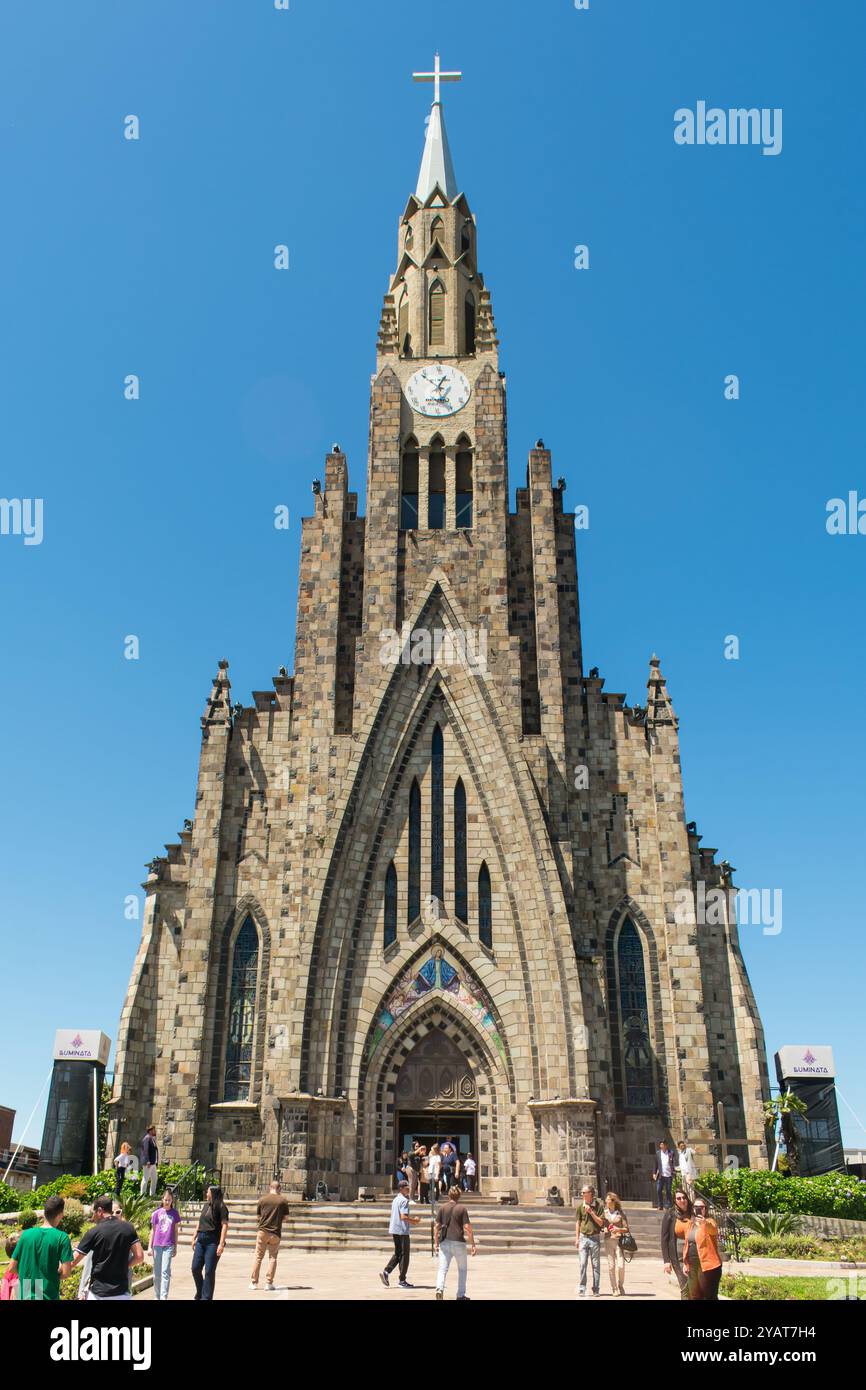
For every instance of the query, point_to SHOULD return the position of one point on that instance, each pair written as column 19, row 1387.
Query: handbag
column 628, row 1245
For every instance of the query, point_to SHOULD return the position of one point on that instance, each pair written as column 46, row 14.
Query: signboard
column 80, row 1045
column 814, row 1062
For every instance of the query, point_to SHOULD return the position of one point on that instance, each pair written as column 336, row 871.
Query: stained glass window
column 638, row 1080
column 242, row 1014
column 390, row 905
column 436, row 491
column 461, row 901
column 414, row 887
column 485, row 907
column 437, row 816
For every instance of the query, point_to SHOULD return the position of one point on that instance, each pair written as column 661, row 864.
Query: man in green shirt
column 590, row 1224
column 43, row 1256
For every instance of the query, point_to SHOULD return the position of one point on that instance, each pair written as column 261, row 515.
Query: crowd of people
column 437, row 1178
column 431, row 1173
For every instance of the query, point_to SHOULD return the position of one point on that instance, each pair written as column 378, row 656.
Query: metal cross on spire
column 436, row 76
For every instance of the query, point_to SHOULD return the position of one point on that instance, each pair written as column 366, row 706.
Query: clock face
column 438, row 390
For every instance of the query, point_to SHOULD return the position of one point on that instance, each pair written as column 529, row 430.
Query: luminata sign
column 805, row 1061
column 81, row 1045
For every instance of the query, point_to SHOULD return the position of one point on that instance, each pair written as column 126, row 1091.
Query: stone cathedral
column 433, row 882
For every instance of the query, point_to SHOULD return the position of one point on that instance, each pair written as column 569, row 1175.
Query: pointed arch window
column 437, row 233
column 485, row 907
column 403, row 325
column 637, row 1064
column 409, row 486
column 437, row 815
column 242, row 1014
column 390, row 905
column 414, row 885
column 461, row 897
column 437, row 314
column 469, row 321
column 463, row 479
column 436, row 486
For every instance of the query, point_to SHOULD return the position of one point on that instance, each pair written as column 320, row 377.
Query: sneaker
column 440, row 1294
column 581, row 1293
column 271, row 1288
column 404, row 1284
column 463, row 1298
column 383, row 1276
column 252, row 1286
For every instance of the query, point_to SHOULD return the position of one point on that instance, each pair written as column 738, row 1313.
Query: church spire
column 437, row 167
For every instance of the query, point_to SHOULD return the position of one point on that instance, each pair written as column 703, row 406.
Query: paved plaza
column 355, row 1275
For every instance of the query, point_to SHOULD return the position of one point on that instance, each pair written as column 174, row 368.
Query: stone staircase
column 538, row 1230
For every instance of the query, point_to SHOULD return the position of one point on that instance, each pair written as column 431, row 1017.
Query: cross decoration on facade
column 436, row 76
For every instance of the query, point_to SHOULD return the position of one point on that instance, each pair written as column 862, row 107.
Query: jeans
column 148, row 1179
column 589, row 1249
column 400, row 1256
column 663, row 1191
column 452, row 1250
column 162, row 1258
column 266, row 1241
column 204, row 1256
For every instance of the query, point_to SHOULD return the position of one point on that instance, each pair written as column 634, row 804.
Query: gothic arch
column 492, row 1074
column 246, row 908
column 628, row 910
column 397, row 717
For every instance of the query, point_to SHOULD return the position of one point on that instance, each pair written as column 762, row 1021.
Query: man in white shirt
column 399, row 1227
column 663, row 1174
column 688, row 1169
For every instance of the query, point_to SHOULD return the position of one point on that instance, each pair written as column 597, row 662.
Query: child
column 9, row 1282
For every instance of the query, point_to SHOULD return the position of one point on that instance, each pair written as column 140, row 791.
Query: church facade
column 434, row 882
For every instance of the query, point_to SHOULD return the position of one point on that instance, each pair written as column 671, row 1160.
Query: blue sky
column 707, row 516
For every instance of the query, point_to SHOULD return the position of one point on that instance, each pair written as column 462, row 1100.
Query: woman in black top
column 680, row 1211
column 209, row 1242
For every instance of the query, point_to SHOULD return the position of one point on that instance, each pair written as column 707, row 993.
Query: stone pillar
column 450, row 488
column 566, row 1148
column 309, row 1143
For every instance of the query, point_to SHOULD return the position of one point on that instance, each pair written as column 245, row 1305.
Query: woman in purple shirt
column 163, row 1243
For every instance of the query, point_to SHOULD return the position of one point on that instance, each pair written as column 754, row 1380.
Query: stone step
column 316, row 1226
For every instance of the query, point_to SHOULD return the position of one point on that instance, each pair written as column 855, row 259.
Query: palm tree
column 782, row 1111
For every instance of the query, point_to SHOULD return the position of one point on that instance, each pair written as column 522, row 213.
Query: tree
column 782, row 1112
column 102, row 1123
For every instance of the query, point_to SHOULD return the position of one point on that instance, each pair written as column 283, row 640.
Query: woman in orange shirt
column 702, row 1263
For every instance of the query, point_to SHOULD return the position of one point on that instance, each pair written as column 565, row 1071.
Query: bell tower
column 437, row 481
column 436, row 306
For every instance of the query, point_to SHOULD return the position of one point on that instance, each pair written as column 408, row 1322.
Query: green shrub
column 10, row 1198
column 770, row 1223
column 27, row 1218
column 758, row 1190
column 72, row 1219
column 74, row 1187
column 136, row 1209
column 69, row 1285
column 791, row 1247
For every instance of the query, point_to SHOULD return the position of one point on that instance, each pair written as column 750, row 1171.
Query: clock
column 438, row 390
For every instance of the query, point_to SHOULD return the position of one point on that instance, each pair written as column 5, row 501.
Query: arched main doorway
column 436, row 1097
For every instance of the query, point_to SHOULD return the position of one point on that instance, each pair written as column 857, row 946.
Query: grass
column 791, row 1288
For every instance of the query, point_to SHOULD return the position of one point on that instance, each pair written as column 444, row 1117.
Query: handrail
column 193, row 1183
